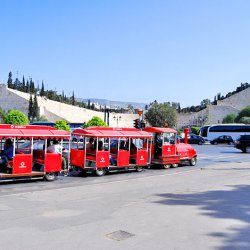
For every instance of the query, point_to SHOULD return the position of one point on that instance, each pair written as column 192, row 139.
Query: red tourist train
column 108, row 149
column 98, row 149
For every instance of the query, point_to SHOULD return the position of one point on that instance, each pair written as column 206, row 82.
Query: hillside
column 53, row 110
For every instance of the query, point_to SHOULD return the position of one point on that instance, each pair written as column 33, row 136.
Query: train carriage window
column 138, row 143
column 166, row 138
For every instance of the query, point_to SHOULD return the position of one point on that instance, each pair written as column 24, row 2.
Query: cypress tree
column 16, row 84
column 73, row 99
column 30, row 110
column 23, row 85
column 32, row 86
column 27, row 87
column 9, row 82
column 62, row 98
column 215, row 101
column 42, row 93
column 36, row 113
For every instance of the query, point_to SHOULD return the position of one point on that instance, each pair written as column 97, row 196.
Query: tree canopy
column 243, row 113
column 96, row 121
column 2, row 115
column 229, row 118
column 161, row 115
column 33, row 110
column 245, row 119
column 61, row 124
column 16, row 117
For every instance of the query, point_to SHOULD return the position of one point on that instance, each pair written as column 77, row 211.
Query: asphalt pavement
column 201, row 207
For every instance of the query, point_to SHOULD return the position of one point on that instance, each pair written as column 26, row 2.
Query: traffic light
column 136, row 123
column 143, row 124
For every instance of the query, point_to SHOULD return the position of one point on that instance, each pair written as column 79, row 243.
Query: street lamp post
column 117, row 118
column 199, row 121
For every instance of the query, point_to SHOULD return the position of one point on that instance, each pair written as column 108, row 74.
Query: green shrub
column 96, row 121
column 195, row 130
column 61, row 124
column 16, row 117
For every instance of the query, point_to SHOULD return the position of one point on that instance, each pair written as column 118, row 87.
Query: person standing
column 7, row 153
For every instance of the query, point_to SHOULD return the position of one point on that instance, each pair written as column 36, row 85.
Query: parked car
column 243, row 143
column 194, row 139
column 223, row 139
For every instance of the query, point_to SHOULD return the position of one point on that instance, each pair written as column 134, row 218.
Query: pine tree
column 88, row 104
column 42, row 92
column 9, row 82
column 30, row 110
column 36, row 113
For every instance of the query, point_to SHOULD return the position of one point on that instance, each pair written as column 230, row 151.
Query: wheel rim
column 166, row 166
column 193, row 161
column 100, row 171
column 139, row 169
column 247, row 149
column 174, row 165
column 50, row 176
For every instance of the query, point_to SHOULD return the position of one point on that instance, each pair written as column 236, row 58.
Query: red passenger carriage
column 30, row 161
column 106, row 149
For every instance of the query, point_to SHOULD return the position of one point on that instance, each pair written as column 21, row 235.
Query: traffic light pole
column 140, row 112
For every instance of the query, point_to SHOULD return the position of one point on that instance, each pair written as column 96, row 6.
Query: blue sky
column 133, row 50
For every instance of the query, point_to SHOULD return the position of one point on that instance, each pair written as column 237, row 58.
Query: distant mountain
column 109, row 103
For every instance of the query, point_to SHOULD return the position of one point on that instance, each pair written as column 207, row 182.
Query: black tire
column 215, row 143
column 50, row 176
column 139, row 169
column 166, row 166
column 193, row 161
column 83, row 173
column 175, row 165
column 100, row 172
column 247, row 149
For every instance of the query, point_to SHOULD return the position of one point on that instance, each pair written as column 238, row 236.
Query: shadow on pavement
column 221, row 204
